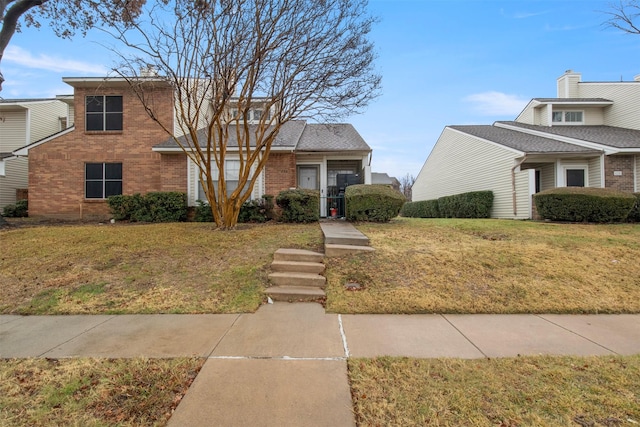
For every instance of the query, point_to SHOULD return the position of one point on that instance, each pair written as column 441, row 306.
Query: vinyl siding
column 595, row 173
column 45, row 118
column 461, row 163
column 193, row 183
column 547, row 176
column 16, row 176
column 625, row 111
column 13, row 130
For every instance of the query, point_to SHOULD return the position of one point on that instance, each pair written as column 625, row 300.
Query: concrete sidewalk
column 286, row 363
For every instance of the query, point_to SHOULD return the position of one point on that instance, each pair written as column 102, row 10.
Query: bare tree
column 406, row 184
column 66, row 17
column 293, row 58
column 625, row 15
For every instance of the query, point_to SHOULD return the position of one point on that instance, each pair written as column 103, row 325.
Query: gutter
column 513, row 184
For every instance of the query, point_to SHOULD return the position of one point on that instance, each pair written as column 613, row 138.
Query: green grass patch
column 524, row 391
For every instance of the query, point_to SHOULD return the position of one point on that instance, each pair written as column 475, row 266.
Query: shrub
column 299, row 205
column 257, row 210
column 18, row 210
column 377, row 203
column 475, row 204
column 634, row 215
column 581, row 204
column 203, row 212
column 421, row 209
column 152, row 207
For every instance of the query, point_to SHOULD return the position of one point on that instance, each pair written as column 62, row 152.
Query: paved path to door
column 286, row 363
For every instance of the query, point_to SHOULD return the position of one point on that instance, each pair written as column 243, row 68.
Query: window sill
column 95, row 200
column 103, row 132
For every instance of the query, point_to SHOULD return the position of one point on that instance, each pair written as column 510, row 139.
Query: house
column 115, row 148
column 23, row 121
column 589, row 136
column 384, row 179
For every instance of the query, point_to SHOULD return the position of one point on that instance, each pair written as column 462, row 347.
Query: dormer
column 565, row 111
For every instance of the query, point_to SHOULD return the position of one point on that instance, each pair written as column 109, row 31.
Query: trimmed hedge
column 634, row 215
column 376, row 203
column 152, row 207
column 584, row 204
column 421, row 209
column 299, row 205
column 475, row 204
column 18, row 210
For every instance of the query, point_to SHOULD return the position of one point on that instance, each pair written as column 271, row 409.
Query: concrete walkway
column 286, row 363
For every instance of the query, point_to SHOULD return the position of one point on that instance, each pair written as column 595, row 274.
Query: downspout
column 513, row 184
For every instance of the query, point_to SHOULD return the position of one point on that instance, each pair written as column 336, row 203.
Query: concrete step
column 355, row 240
column 298, row 255
column 294, row 293
column 297, row 267
column 297, row 279
column 332, row 250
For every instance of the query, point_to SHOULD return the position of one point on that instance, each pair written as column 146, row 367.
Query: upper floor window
column 103, row 113
column 567, row 117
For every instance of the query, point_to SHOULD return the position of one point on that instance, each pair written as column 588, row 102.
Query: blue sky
column 443, row 62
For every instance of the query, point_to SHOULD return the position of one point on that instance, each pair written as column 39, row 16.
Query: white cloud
column 496, row 103
column 17, row 55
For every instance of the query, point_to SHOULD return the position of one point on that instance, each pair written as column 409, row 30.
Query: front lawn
column 150, row 268
column 490, row 266
column 525, row 391
column 93, row 392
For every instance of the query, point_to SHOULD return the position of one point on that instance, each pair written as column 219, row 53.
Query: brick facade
column 57, row 167
column 280, row 173
column 623, row 165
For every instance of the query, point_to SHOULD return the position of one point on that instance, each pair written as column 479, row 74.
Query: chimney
column 568, row 84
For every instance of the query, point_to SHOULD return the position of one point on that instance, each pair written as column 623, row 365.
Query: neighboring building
column 589, row 136
column 115, row 148
column 385, row 179
column 23, row 121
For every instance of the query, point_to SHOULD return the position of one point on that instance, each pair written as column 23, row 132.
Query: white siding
column 547, row 176
column 193, row 183
column 625, row 111
column 595, row 172
column 16, row 176
column 13, row 130
column 461, row 163
column 45, row 118
column 71, row 115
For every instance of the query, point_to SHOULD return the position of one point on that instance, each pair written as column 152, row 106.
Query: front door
column 309, row 177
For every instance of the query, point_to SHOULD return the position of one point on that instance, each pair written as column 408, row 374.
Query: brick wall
column 280, row 173
column 622, row 164
column 57, row 167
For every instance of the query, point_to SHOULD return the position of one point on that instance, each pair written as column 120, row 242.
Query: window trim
column 104, row 114
column 564, row 114
column 104, row 179
column 2, row 168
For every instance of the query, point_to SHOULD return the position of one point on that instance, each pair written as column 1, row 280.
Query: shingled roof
column 331, row 137
column 605, row 135
column 521, row 141
column 295, row 135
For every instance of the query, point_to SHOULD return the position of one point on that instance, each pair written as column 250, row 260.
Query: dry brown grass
column 490, row 266
column 93, row 392
column 527, row 391
column 156, row 268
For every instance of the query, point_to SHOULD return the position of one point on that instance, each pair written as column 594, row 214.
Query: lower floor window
column 103, row 180
column 575, row 178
